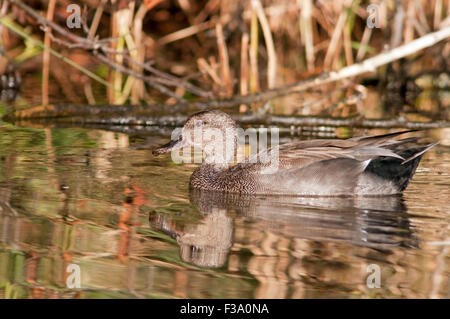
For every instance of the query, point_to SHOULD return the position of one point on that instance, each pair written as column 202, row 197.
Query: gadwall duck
column 367, row 165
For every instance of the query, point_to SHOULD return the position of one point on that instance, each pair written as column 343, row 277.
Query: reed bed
column 182, row 51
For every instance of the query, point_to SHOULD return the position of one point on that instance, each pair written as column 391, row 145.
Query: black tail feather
column 420, row 152
column 398, row 171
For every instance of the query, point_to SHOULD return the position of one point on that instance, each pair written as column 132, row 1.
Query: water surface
column 100, row 200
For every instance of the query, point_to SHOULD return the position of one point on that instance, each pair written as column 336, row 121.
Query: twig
column 184, row 33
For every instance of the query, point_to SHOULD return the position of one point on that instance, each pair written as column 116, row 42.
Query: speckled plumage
column 368, row 165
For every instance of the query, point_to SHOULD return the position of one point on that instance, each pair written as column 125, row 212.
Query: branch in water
column 157, row 115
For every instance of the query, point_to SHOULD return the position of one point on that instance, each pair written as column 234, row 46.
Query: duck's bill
column 171, row 146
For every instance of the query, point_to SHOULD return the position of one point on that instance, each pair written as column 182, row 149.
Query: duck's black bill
column 166, row 148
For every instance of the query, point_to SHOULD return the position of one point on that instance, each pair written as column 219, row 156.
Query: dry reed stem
column 150, row 4
column 437, row 14
column 348, row 46
column 398, row 23
column 336, row 37
column 126, row 90
column 204, row 67
column 244, row 68
column 224, row 60
column 96, row 20
column 138, row 89
column 319, row 16
column 184, row 33
column 3, row 11
column 46, row 54
column 445, row 23
column 67, row 87
column 114, row 32
column 321, row 46
column 211, row 6
column 422, row 18
column 272, row 57
column 364, row 43
column 89, row 93
column 409, row 28
column 307, row 34
column 335, row 64
column 383, row 14
column 253, row 53
column 124, row 20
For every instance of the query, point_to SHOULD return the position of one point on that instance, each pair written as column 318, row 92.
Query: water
column 99, row 200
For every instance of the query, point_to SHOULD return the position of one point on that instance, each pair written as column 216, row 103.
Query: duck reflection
column 376, row 222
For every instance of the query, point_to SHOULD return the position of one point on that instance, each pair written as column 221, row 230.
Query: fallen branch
column 159, row 115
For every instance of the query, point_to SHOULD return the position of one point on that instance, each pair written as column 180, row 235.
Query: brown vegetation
column 206, row 51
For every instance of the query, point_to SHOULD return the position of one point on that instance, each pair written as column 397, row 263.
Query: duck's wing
column 366, row 165
column 303, row 153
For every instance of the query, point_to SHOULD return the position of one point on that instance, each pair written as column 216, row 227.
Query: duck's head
column 215, row 132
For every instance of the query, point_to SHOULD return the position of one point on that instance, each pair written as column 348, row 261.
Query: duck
column 374, row 165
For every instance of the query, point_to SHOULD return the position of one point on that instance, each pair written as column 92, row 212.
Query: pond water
column 99, row 201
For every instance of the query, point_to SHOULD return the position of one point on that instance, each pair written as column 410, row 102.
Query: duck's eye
column 198, row 123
